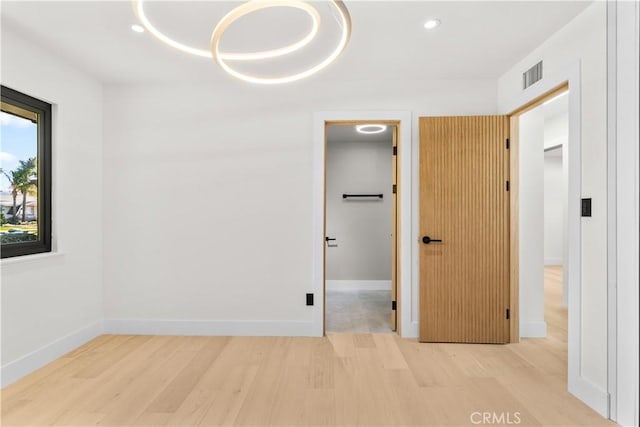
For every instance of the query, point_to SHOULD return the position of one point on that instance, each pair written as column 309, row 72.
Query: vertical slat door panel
column 464, row 281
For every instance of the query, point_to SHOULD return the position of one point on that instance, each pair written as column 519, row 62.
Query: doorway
column 406, row 194
column 361, row 227
column 483, row 252
column 537, row 131
column 543, row 136
column 569, row 81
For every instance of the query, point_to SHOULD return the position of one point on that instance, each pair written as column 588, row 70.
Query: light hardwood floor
column 343, row 379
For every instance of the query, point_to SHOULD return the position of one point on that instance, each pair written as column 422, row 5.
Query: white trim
column 573, row 223
column 360, row 285
column 26, row 259
column 596, row 398
column 623, row 210
column 405, row 221
column 533, row 329
column 186, row 327
column 412, row 331
column 30, row 362
column 611, row 206
column 553, row 261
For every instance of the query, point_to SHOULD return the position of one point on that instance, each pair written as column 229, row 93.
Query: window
column 25, row 174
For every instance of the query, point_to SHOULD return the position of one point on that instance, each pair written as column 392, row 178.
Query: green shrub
column 9, row 238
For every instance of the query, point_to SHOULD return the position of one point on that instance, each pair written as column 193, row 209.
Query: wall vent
column 532, row 75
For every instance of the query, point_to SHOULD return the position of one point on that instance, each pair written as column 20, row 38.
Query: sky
column 18, row 141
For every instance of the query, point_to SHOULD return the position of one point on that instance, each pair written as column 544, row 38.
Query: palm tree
column 14, row 180
column 27, row 172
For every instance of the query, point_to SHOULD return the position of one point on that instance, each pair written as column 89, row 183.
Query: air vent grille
column 532, row 75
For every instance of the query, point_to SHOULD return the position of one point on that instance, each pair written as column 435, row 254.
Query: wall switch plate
column 586, row 207
column 309, row 299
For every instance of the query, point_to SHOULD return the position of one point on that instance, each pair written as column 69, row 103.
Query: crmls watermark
column 503, row 418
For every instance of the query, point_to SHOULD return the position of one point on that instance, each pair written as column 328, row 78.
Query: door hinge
column 394, row 188
column 507, row 185
column 507, row 315
column 507, row 143
column 393, row 305
column 395, row 150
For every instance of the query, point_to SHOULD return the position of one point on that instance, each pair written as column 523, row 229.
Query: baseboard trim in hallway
column 360, row 285
column 533, row 329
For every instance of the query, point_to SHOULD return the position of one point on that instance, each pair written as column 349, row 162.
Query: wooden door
column 464, row 201
column 394, row 231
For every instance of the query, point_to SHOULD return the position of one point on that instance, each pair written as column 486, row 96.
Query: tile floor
column 358, row 311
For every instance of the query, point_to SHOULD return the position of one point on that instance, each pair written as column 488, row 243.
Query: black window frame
column 43, row 244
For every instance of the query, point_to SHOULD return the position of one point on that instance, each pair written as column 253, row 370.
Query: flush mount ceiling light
column 245, row 9
column 370, row 129
column 432, row 24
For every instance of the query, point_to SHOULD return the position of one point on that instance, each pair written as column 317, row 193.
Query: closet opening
column 361, row 248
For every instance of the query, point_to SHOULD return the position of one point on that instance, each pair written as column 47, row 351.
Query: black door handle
column 426, row 240
column 328, row 239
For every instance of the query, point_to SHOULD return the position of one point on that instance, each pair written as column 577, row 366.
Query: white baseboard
column 553, row 261
column 208, row 327
column 30, row 362
column 412, row 332
column 362, row 285
column 533, row 329
column 592, row 395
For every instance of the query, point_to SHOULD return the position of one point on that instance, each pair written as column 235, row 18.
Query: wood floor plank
column 170, row 399
column 90, row 395
column 388, row 351
column 124, row 408
column 238, row 352
column 338, row 380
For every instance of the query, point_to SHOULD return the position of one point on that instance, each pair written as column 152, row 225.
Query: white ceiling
column 477, row 39
column 348, row 133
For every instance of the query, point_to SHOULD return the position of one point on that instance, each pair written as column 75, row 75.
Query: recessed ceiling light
column 137, row 28
column 432, row 24
column 369, row 129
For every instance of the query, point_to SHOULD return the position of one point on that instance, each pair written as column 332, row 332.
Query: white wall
column 553, row 207
column 531, row 224
column 556, row 128
column 625, row 195
column 556, row 132
column 362, row 227
column 240, row 158
column 52, row 303
column 584, row 40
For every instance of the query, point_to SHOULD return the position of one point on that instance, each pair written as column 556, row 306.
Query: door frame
column 514, row 209
column 401, row 119
column 578, row 385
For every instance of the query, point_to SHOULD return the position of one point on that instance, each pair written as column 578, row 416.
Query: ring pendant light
column 248, row 56
column 247, row 8
column 251, row 6
column 371, row 129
